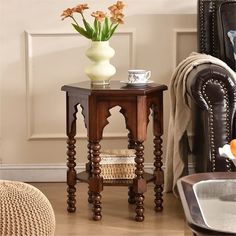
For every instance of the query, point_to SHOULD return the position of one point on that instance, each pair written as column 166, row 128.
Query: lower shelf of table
column 84, row 177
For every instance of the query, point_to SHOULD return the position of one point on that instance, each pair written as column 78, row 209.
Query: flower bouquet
column 104, row 25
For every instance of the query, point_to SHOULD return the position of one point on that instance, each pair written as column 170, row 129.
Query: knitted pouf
column 24, row 211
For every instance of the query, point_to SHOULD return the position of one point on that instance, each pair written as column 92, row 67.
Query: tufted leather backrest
column 227, row 22
column 208, row 39
column 215, row 19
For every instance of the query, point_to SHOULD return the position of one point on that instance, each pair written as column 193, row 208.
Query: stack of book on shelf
column 118, row 164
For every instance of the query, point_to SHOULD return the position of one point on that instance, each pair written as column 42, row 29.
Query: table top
column 114, row 87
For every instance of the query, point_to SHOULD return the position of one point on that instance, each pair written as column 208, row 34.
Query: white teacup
column 138, row 76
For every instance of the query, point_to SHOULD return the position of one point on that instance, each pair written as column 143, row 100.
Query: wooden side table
column 136, row 103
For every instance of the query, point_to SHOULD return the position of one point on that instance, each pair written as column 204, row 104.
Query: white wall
column 41, row 53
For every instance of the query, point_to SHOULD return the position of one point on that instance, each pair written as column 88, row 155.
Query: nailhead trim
column 202, row 31
column 213, row 22
column 212, row 10
column 211, row 120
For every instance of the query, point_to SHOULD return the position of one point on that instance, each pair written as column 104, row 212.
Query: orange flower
column 118, row 7
column 67, row 13
column 99, row 15
column 116, row 12
column 112, row 8
column 118, row 18
column 80, row 8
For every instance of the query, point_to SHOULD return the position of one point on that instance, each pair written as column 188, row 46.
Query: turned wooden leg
column 71, row 174
column 139, row 183
column 96, row 182
column 89, row 170
column 97, row 207
column 90, row 196
column 131, row 144
column 131, row 195
column 158, row 172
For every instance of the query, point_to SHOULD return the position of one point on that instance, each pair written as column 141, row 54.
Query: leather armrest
column 210, row 84
column 213, row 90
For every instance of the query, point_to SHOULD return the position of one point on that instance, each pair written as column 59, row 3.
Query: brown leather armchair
column 212, row 88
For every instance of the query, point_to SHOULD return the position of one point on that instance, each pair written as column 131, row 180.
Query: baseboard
column 47, row 172
column 34, row 172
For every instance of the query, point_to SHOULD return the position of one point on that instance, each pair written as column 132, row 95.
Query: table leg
column 131, row 195
column 71, row 110
column 96, row 182
column 131, row 144
column 71, row 174
column 89, row 170
column 158, row 172
column 139, row 183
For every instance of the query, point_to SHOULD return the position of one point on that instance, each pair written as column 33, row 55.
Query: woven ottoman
column 24, row 211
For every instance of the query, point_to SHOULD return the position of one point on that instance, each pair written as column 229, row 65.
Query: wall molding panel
column 51, row 60
column 179, row 35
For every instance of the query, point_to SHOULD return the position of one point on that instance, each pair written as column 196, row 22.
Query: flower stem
column 74, row 20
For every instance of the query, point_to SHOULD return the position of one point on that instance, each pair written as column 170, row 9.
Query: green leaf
column 105, row 29
column 81, row 30
column 96, row 30
column 98, row 38
column 112, row 30
column 95, row 25
column 88, row 28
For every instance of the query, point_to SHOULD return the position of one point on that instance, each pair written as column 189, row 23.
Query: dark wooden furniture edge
column 136, row 104
column 190, row 204
column 84, row 177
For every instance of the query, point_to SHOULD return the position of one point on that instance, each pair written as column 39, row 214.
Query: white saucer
column 136, row 84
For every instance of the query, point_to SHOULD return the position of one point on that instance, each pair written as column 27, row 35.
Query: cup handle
column 148, row 74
